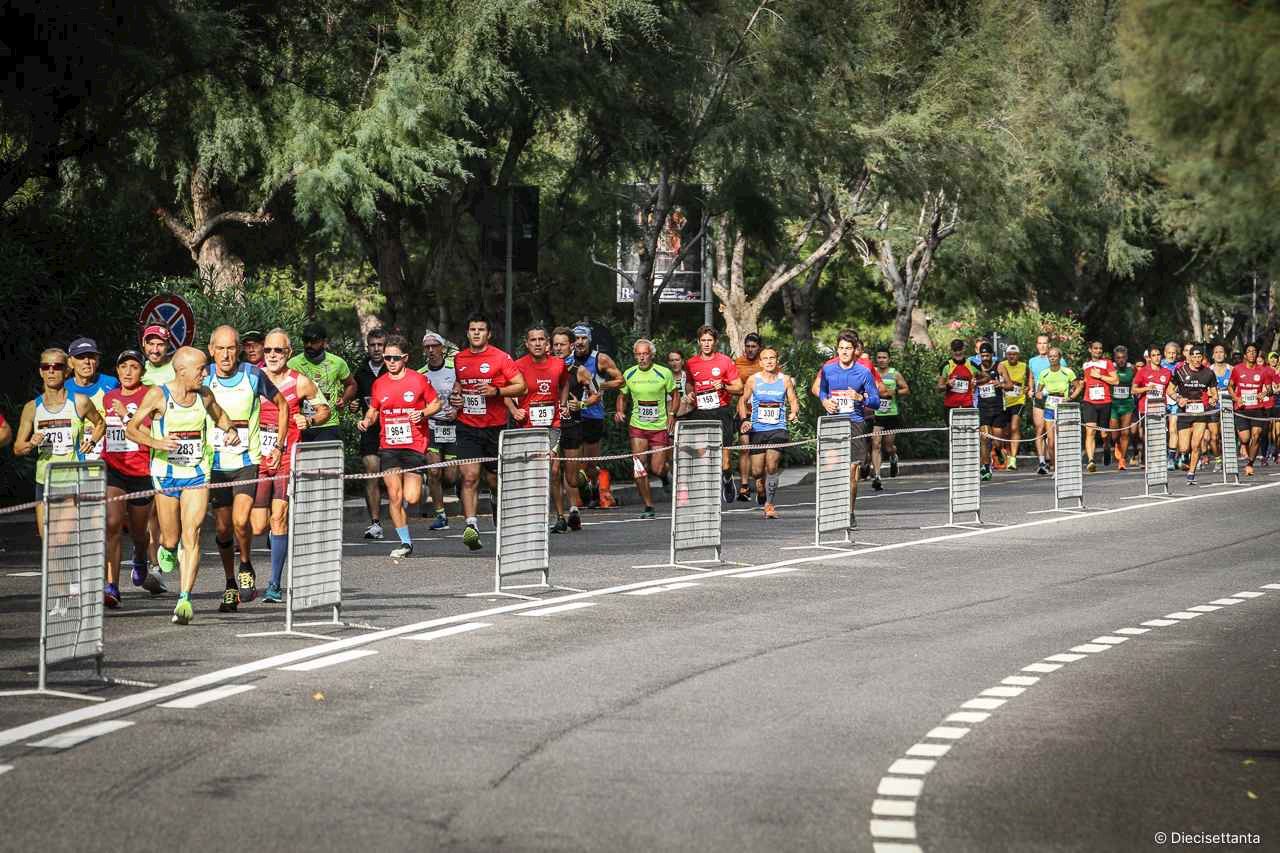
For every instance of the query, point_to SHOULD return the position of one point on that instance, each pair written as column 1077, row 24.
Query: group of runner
column 1182, row 381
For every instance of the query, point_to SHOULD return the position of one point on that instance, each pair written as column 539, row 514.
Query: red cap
column 155, row 331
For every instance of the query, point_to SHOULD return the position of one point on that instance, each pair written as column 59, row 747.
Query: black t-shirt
column 365, row 377
column 1194, row 384
column 990, row 396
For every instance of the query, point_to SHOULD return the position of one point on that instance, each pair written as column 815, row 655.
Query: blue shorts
column 171, row 486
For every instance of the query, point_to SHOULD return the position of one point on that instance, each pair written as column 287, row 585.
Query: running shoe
column 404, row 550
column 893, row 466
column 1011, row 463
column 1043, row 470
column 1092, row 467
column 560, row 525
column 152, row 584
column 139, row 573
column 648, row 512
column 877, row 485
column 1191, row 479
column 575, row 521
column 769, row 511
column 1120, row 464
column 986, row 473
column 1248, row 470
column 584, row 486
column 471, row 538
column 111, row 596
column 1172, row 464
column 272, row 595
column 230, row 600
column 441, row 522
column 853, row 522
column 248, row 582
column 183, row 614
column 166, row 560
column 727, row 491
column 373, row 531
column 744, row 493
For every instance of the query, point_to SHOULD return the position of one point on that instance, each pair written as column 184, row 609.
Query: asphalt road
column 992, row 689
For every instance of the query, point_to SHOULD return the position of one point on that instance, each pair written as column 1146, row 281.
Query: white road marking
column 451, row 631
column 1133, row 632
column 651, row 590
column 929, row 750
column 1065, row 658
column 912, row 766
column 966, row 717
column 1006, row 692
column 1248, row 594
column 983, row 704
column 763, row 572
column 1227, row 601
column 1042, row 667
column 24, row 574
column 1020, row 680
column 948, row 732
column 1181, row 614
column 1160, row 623
column 894, row 847
column 559, row 608
column 1271, row 586
column 5, row 768
column 66, row 740
column 331, row 660
column 1090, row 648
column 896, row 786
column 893, row 829
column 894, row 808
column 1108, row 640
column 1205, row 608
column 195, row 700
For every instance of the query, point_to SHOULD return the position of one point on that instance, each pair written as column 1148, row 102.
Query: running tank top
column 1223, row 378
column 581, row 391
column 1018, row 376
column 769, row 405
column 186, row 425
column 889, row 403
column 63, row 428
column 238, row 395
column 594, row 412
column 442, row 379
column 269, row 418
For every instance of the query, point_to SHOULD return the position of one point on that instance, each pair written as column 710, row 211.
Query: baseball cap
column 83, row 346
column 984, row 348
column 432, row 339
column 957, row 344
column 1012, row 348
column 155, row 331
column 129, row 355
column 314, row 332
column 253, row 336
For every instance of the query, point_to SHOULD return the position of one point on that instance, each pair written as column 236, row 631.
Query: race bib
column 987, row 391
column 647, row 410
column 845, row 405
column 1097, row 393
column 1015, row 391
column 1052, row 401
column 116, row 440
column 770, row 413
column 709, row 400
column 219, row 439
column 1195, row 408
column 1155, row 392
column 397, row 433
column 444, row 433
column 190, row 449
column 542, row 415
column 1120, row 392
column 59, row 440
column 473, row 404
column 268, row 441
column 886, row 405
column 959, row 386
column 1249, row 398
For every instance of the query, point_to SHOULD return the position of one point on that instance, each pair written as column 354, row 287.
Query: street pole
column 706, row 291
column 506, row 341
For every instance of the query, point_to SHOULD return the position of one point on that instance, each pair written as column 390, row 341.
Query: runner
column 251, row 343
column 1099, row 374
column 485, row 375
column 888, row 418
column 1056, row 384
column 680, row 372
column 1036, row 365
column 155, row 346
column 991, row 412
column 403, row 403
column 365, row 376
column 1150, row 386
column 239, row 390
column 271, row 497
column 1272, row 435
column 1195, row 389
column 444, row 428
column 128, row 471
column 956, row 381
column 541, row 407
column 715, row 381
column 592, row 480
column 84, row 358
column 1249, row 384
column 847, row 387
column 1122, row 407
column 769, row 403
column 181, row 414
column 52, row 425
column 748, row 364
column 1213, row 435
column 582, row 392
column 1013, row 375
column 1172, row 360
column 331, row 375
column 649, row 391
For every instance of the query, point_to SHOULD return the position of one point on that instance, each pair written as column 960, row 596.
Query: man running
column 769, row 403
column 645, row 402
column 238, row 389
column 1055, row 385
column 956, row 380
column 592, row 480
column 1013, row 378
column 1099, row 374
column 403, row 403
column 486, row 374
column 444, row 428
column 331, row 375
column 1250, row 382
column 181, row 414
column 748, row 365
column 128, row 471
column 992, row 419
column 888, row 417
column 1150, row 383
column 1195, row 389
column 541, row 406
column 846, row 387
column 1173, row 359
column 1122, row 406
column 84, row 359
column 155, row 346
column 271, row 497
column 366, row 374
column 1036, row 365
column 715, row 381
column 584, row 392
column 52, row 425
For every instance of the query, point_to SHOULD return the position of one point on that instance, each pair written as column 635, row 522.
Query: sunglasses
column 281, row 350
column 57, row 365
column 394, row 357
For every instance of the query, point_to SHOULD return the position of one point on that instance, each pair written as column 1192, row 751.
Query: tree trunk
column 920, row 327
column 217, row 263
column 798, row 299
column 390, row 260
column 1193, row 312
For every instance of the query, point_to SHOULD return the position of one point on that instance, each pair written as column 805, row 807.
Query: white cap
column 1012, row 348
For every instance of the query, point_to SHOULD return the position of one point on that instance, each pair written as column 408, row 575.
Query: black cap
column 314, row 332
column 83, row 346
column 957, row 344
column 752, row 338
column 252, row 336
column 129, row 355
column 984, row 348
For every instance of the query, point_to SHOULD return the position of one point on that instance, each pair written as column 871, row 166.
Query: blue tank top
column 1223, row 379
column 594, row 412
column 769, row 405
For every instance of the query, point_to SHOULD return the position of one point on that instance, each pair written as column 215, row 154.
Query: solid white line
column 929, row 750
column 1227, row 601
column 24, row 574
column 1160, row 623
column 1065, row 658
column 680, row 585
column 896, row 786
column 1181, row 614
column 1006, row 692
column 331, row 660
column 82, row 734
column 1090, row 648
column 1205, row 608
column 893, row 829
column 983, row 704
column 5, row 768
column 1271, row 586
column 894, row 847
column 1247, row 594
column 1108, row 640
column 559, row 608
column 154, row 695
column 948, row 732
column 195, row 700
column 894, row 808
column 647, row 590
column 1042, row 667
column 763, row 572
column 1020, row 680
column 452, row 630
column 1133, row 632
column 966, row 717
column 912, row 766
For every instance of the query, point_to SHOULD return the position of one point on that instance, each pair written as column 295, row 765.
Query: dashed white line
column 929, row 750
column 912, row 766
column 1042, row 667
column 1065, row 658
column 331, row 660
column 1108, row 640
column 1227, row 601
column 1133, row 632
column 66, row 740
column 1160, row 623
column 1247, row 594
column 1180, row 614
column 983, row 704
column 559, row 608
column 1020, row 680
column 967, row 717
column 1006, row 692
column 948, row 732
column 894, row 808
column 1205, row 608
column 1090, row 648
column 5, row 768
column 1271, row 586
column 894, row 847
column 452, row 630
column 195, row 700
column 897, row 786
column 893, row 829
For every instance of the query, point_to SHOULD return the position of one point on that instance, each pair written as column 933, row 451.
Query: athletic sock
column 471, row 521
column 231, row 584
column 184, row 596
column 279, row 552
column 770, row 487
column 403, row 533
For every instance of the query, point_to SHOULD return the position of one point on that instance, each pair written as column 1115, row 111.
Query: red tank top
column 269, row 419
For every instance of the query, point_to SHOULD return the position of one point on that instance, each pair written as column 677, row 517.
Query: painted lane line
column 1042, row 667
column 763, row 572
column 897, row 786
column 1065, row 658
column 929, row 750
column 1020, row 680
column 1160, row 623
column 331, row 660
column 894, row 808
column 559, row 608
column 1090, row 648
column 451, row 631
column 5, row 768
column 1205, row 608
column 1271, row 586
column 948, row 732
column 209, row 679
column 912, row 766
column 656, row 589
column 1006, row 692
column 195, row 700
column 967, row 717
column 681, row 585
column 66, row 740
column 24, row 574
column 1108, row 640
column 1181, row 614
column 1132, row 632
column 1227, row 601
column 893, row 829
column 894, row 847
column 983, row 704
column 1247, row 594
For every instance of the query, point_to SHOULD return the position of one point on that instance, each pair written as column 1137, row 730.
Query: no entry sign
column 171, row 311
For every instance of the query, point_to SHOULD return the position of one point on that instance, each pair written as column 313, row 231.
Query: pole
column 510, row 216
column 707, row 296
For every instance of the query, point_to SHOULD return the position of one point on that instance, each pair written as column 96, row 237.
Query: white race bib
column 845, row 405
column 1097, row 393
column 769, row 413
column 886, row 405
column 443, row 433
column 647, row 411
column 267, row 440
column 473, row 404
column 1249, row 398
column 398, row 433
column 59, row 440
column 220, row 437
column 1155, row 392
column 1195, row 408
column 709, row 400
column 117, row 442
column 959, row 386
column 987, row 391
column 1052, row 401
column 189, row 452
column 1120, row 392
column 542, row 415
column 1015, row 391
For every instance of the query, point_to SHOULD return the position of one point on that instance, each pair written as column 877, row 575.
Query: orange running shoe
column 769, row 511
column 604, row 482
column 1120, row 466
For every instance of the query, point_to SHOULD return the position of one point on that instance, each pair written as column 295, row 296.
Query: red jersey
column 1158, row 378
column 542, row 402
column 490, row 365
column 1096, row 391
column 959, row 393
column 119, row 452
column 395, row 400
column 269, row 420
column 706, row 372
column 1251, row 385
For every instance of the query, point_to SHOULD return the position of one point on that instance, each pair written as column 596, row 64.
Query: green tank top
column 63, row 429
column 1018, row 376
column 1122, row 392
column 186, row 425
column 649, row 391
column 889, row 403
column 238, row 395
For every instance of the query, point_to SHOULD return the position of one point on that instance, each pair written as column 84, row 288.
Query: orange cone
column 603, row 482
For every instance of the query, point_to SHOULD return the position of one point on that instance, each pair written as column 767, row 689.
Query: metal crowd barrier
column 964, row 455
column 73, row 552
column 1156, row 451
column 1230, row 441
column 1068, row 472
column 695, row 489
column 835, row 455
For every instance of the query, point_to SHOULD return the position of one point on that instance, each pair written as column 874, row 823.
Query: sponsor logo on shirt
column 715, row 371
column 484, row 367
column 544, row 386
column 408, row 396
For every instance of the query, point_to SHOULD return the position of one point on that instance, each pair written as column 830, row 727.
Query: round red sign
column 171, row 311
